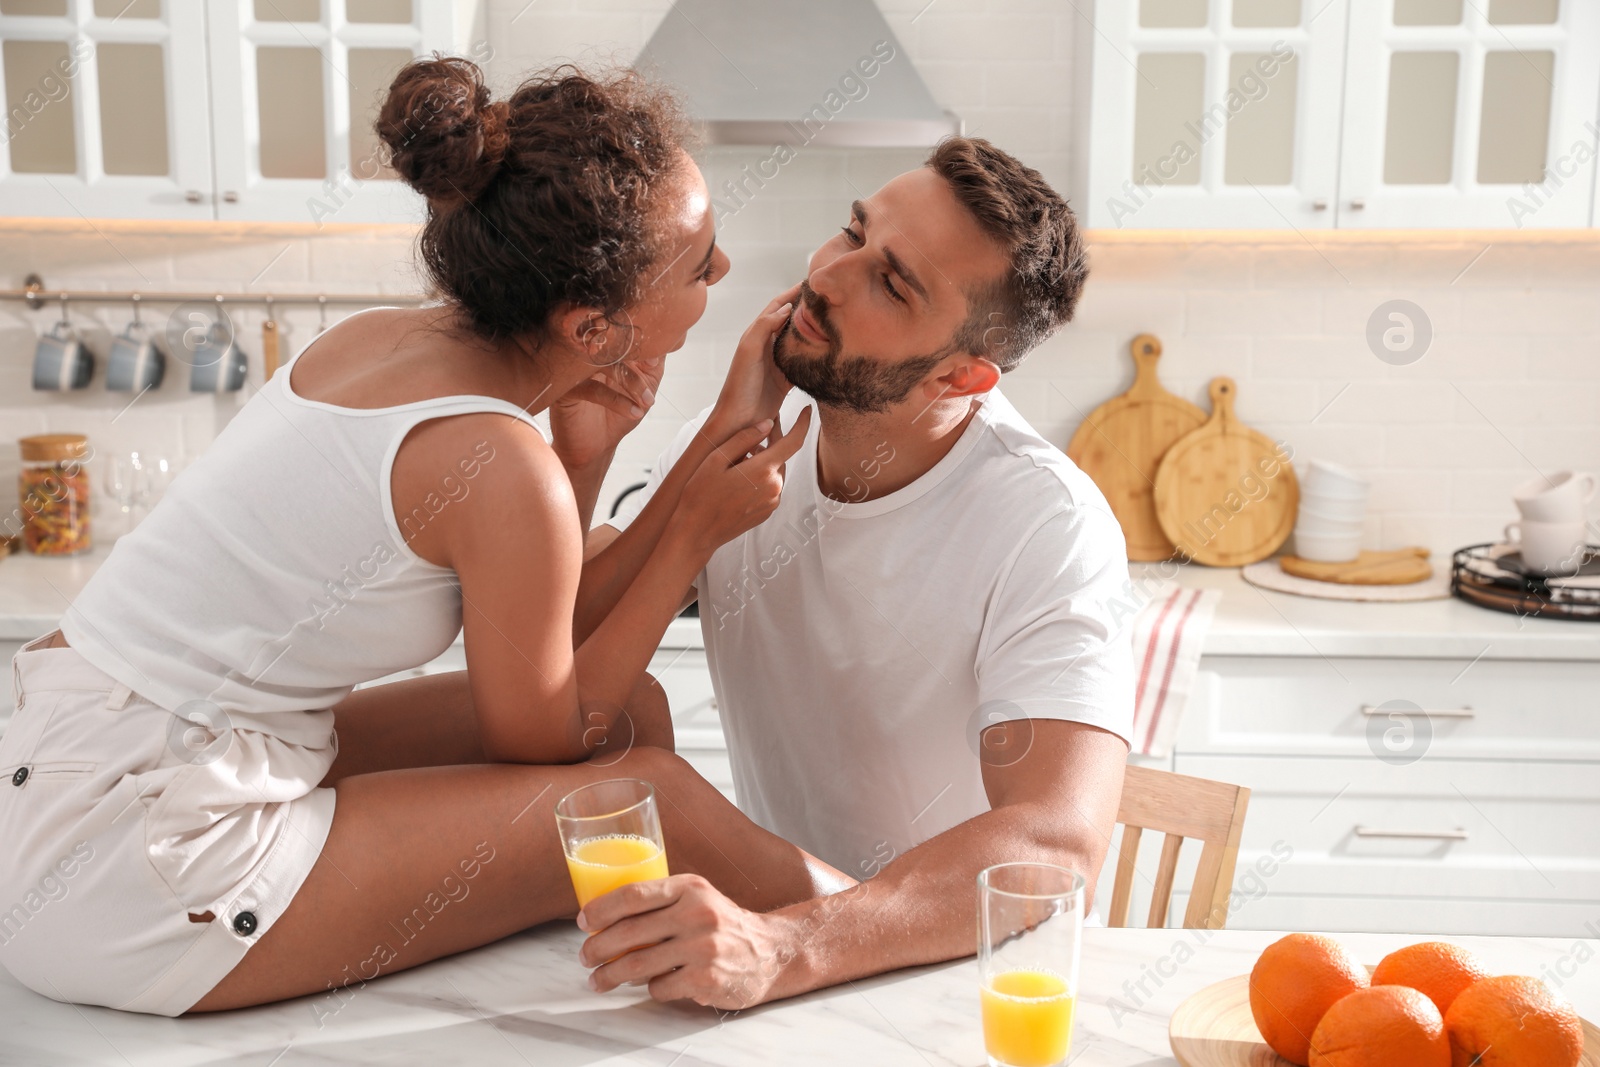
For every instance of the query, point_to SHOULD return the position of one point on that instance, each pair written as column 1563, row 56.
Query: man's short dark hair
column 1039, row 233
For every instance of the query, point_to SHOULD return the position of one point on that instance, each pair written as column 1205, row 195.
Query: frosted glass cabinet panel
column 43, row 140
column 371, row 70
column 105, row 109
column 1215, row 113
column 1420, row 122
column 133, row 109
column 1474, row 114
column 1171, row 90
column 295, row 96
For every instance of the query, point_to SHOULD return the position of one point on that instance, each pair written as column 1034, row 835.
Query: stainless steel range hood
column 822, row 72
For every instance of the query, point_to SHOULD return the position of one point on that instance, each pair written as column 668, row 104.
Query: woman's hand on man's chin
column 755, row 388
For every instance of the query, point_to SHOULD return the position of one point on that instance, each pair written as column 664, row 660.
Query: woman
column 202, row 814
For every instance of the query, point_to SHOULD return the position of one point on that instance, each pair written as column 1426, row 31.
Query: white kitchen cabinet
column 1489, row 709
column 295, row 86
column 1376, row 114
column 254, row 110
column 1214, row 113
column 697, row 728
column 106, row 113
column 1483, row 813
column 1470, row 114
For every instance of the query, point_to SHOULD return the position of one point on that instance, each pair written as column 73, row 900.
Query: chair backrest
column 1179, row 806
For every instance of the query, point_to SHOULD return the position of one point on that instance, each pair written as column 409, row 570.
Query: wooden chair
column 1180, row 806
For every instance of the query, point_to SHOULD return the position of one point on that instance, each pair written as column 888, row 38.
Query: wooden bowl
column 1214, row 1028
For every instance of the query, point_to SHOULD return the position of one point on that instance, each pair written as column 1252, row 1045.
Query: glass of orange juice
column 1030, row 919
column 611, row 833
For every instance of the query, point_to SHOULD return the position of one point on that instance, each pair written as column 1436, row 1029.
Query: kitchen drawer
column 1507, row 709
column 696, row 727
column 710, row 764
column 1512, row 918
column 686, row 677
column 1513, row 830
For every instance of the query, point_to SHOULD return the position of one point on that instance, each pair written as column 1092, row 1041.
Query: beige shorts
column 145, row 854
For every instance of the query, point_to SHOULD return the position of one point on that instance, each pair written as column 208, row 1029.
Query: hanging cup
column 61, row 361
column 219, row 364
column 135, row 363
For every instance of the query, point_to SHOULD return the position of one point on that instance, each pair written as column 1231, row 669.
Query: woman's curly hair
column 548, row 198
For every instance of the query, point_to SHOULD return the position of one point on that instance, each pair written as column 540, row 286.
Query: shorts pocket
column 57, row 771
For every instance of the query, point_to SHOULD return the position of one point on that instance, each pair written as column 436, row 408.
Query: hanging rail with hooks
column 36, row 296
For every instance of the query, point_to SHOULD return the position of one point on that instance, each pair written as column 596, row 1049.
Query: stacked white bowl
column 1333, row 511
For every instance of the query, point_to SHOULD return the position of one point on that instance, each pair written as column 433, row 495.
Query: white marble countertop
column 521, row 1002
column 35, row 590
column 1251, row 621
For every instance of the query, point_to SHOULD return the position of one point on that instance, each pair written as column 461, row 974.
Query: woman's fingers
column 631, row 382
column 782, row 448
column 735, row 448
column 604, row 395
column 788, row 296
column 757, row 340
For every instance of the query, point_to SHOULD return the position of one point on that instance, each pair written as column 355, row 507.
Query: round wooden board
column 1225, row 494
column 1214, row 1028
column 1267, row 574
column 1121, row 443
column 1403, row 566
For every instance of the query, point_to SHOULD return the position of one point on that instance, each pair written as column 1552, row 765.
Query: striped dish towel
column 1167, row 638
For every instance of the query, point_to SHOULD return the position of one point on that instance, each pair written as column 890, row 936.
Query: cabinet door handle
column 1319, row 205
column 1370, row 710
column 1458, row 834
column 1358, row 205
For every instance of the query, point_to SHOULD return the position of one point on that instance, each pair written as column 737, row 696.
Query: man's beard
column 855, row 383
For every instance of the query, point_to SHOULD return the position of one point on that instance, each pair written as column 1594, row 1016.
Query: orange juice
column 1027, row 1018
column 601, row 864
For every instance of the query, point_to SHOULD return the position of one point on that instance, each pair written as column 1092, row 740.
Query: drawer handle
column 1458, row 834
column 1370, row 710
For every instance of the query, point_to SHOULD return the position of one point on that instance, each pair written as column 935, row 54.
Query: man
column 917, row 667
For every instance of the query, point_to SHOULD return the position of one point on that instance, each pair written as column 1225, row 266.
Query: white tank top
column 272, row 577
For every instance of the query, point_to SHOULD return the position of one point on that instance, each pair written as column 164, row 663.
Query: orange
column 1437, row 968
column 1384, row 1026
column 1513, row 1021
column 1296, row 980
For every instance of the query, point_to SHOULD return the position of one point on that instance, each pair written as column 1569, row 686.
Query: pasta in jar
column 53, row 490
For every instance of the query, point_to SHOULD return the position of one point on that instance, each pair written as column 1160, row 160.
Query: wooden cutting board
column 1224, row 494
column 1214, row 1028
column 269, row 349
column 1401, row 567
column 1121, row 443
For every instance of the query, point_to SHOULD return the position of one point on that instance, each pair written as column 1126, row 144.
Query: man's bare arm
column 1055, row 804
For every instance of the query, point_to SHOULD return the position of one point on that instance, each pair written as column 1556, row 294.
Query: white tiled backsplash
column 1510, row 385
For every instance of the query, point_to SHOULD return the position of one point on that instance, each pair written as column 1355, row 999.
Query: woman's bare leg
column 392, row 888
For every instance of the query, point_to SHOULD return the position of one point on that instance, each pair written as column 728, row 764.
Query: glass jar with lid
column 53, row 489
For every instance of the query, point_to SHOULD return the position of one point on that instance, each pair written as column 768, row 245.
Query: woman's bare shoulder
column 389, row 356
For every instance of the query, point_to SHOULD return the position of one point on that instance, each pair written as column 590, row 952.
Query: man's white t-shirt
column 857, row 649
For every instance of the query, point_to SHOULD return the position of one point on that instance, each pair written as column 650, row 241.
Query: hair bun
column 446, row 139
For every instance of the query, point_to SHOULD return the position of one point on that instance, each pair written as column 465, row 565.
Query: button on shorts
column 144, row 853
